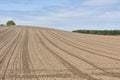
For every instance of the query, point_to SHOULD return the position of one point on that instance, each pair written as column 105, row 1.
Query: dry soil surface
column 32, row 53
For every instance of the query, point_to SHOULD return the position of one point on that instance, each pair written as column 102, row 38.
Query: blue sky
column 62, row 14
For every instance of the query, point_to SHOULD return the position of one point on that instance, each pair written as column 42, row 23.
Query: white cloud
column 72, row 17
column 63, row 15
column 100, row 3
column 74, row 13
column 110, row 16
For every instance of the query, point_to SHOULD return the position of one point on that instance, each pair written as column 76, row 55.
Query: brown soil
column 36, row 53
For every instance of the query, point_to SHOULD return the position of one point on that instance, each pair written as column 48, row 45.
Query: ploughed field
column 32, row 53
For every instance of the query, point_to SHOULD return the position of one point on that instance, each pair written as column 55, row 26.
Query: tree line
column 100, row 32
column 8, row 23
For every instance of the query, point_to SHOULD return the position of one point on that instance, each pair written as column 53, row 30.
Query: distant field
column 32, row 53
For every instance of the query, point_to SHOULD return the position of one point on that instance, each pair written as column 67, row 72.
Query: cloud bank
column 64, row 14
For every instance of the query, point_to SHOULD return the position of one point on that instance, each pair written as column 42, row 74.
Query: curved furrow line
column 6, row 40
column 3, row 55
column 92, row 41
column 41, row 61
column 25, row 52
column 45, row 55
column 103, row 42
column 5, row 35
column 26, row 60
column 106, row 37
column 7, row 52
column 108, row 73
column 32, row 76
column 29, row 59
column 85, row 48
column 68, row 65
column 89, row 42
column 4, row 30
column 87, row 36
column 13, row 45
column 59, row 37
column 16, row 60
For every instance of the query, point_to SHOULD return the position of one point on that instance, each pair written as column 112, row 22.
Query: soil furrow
column 36, row 53
column 95, row 44
column 110, row 74
column 91, row 39
column 25, row 52
column 68, row 65
column 14, row 44
column 86, row 48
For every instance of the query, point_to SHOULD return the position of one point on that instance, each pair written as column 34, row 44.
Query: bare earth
column 31, row 53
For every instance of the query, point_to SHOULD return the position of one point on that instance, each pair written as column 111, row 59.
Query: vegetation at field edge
column 100, row 32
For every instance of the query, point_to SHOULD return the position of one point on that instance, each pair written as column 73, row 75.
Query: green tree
column 101, row 32
column 10, row 22
column 2, row 25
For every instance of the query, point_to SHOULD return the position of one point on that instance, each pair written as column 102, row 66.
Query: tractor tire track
column 41, row 61
column 85, row 48
column 14, row 43
column 5, row 35
column 8, row 48
column 16, row 60
column 107, row 43
column 59, row 37
column 67, row 64
column 108, row 73
column 29, row 59
column 6, row 40
column 89, row 42
column 25, row 52
column 33, row 53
